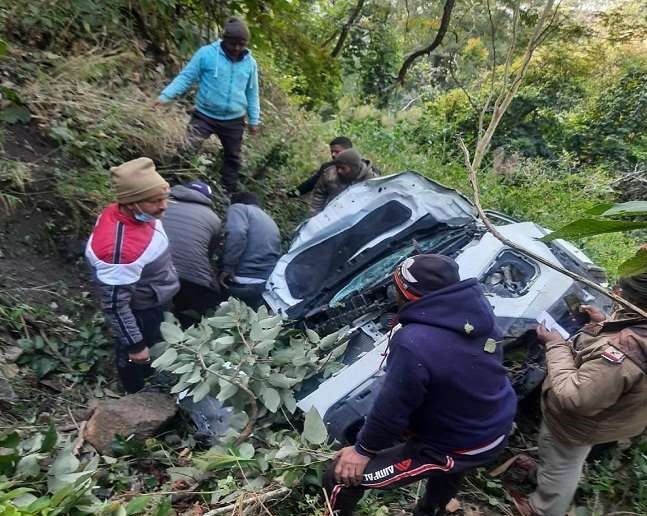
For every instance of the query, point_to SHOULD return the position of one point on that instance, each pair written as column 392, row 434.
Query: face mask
column 142, row 217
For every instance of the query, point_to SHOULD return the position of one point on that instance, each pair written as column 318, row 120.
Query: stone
column 11, row 353
column 142, row 414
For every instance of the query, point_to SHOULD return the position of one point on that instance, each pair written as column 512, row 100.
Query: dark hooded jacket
column 331, row 184
column 193, row 230
column 445, row 381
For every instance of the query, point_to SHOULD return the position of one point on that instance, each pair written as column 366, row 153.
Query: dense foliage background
column 79, row 77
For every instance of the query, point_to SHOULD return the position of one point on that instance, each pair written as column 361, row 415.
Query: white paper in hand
column 551, row 324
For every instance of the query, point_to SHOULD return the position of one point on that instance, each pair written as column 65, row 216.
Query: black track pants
column 405, row 464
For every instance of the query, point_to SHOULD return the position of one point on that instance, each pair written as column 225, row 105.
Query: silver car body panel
column 421, row 195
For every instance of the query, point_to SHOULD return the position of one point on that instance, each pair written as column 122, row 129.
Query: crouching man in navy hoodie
column 445, row 389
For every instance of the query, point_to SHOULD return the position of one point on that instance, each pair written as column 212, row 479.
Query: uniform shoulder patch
column 613, row 355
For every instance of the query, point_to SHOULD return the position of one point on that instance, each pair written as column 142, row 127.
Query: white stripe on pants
column 560, row 469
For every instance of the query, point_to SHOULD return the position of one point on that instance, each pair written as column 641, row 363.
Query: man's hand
column 350, row 466
column 157, row 104
column 253, row 129
column 141, row 357
column 545, row 335
column 594, row 314
column 223, row 278
column 294, row 193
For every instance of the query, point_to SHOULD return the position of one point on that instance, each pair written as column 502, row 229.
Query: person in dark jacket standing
column 337, row 146
column 193, row 230
column 445, row 387
column 227, row 99
column 129, row 255
column 252, row 248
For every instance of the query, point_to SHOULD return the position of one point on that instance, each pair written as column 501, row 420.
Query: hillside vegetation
column 78, row 82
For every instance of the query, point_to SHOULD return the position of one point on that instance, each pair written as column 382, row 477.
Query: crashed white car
column 337, row 273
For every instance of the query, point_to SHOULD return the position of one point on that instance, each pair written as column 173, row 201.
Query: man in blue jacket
column 445, row 388
column 227, row 99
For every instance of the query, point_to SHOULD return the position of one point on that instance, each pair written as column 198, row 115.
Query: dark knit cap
column 634, row 289
column 201, row 187
column 349, row 157
column 235, row 28
column 424, row 273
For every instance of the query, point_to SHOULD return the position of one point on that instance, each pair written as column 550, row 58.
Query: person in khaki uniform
column 595, row 392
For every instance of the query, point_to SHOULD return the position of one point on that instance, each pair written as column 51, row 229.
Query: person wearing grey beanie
column 349, row 168
column 228, row 96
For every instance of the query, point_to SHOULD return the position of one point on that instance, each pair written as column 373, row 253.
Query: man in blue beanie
column 227, row 99
column 445, row 388
column 193, row 230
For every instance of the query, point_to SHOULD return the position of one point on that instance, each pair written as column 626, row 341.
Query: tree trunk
column 442, row 30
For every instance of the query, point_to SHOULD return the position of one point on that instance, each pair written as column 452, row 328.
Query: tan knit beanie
column 136, row 181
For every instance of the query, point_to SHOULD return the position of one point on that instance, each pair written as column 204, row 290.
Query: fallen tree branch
column 247, row 431
column 495, row 233
column 265, row 497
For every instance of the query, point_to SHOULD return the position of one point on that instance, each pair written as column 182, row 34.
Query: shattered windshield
column 381, row 269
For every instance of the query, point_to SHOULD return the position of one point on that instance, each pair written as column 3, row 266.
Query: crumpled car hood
column 360, row 222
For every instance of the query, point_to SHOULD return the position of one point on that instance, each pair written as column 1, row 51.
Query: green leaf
column 201, row 391
column 179, row 387
column 25, row 501
column 264, row 347
column 137, row 505
column 270, row 322
column 599, row 209
column 281, row 381
column 166, row 359
column 43, row 365
column 28, row 466
column 246, row 451
column 238, row 421
column 270, row 398
column 227, row 390
column 223, row 343
column 637, row 264
column 287, row 450
column 288, row 400
column 590, row 227
column 172, row 333
column 15, row 113
column 490, row 346
column 285, row 355
column 314, row 429
column 313, row 336
column 186, row 368
column 3, row 47
column 65, row 463
column 11, row 440
column 328, row 341
column 163, row 507
column 222, row 322
column 50, row 439
column 626, row 208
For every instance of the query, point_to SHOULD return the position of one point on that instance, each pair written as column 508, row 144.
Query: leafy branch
column 510, row 85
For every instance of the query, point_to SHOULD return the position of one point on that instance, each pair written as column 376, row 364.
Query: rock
column 11, row 353
column 141, row 414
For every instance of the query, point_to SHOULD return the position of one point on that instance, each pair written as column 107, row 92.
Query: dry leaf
column 453, row 505
column 500, row 470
